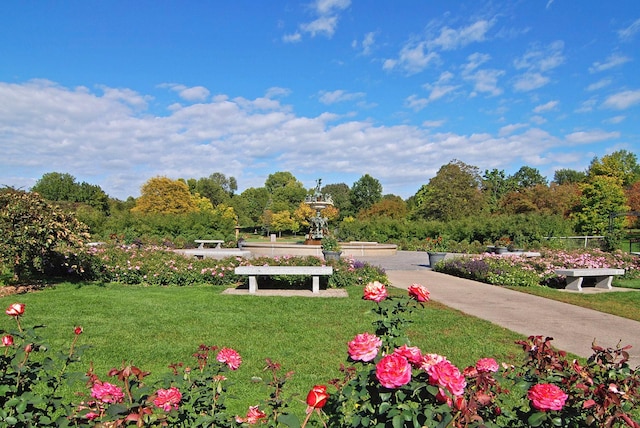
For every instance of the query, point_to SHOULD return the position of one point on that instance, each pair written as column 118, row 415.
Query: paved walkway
column 573, row 328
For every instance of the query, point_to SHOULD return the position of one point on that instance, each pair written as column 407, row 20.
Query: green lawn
column 152, row 327
column 622, row 303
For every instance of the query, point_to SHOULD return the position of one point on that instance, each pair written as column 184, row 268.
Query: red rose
column 7, row 340
column 375, row 291
column 419, row 292
column 364, row 347
column 78, row 330
column 393, row 371
column 168, row 399
column 317, row 397
column 15, row 310
column 230, row 357
column 547, row 396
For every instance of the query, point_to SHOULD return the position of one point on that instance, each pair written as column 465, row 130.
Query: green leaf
column 289, row 420
column 536, row 419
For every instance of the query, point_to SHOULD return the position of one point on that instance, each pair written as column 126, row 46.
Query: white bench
column 202, row 242
column 576, row 276
column 255, row 271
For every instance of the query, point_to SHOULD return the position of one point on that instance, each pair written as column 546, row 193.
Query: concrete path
column 573, row 328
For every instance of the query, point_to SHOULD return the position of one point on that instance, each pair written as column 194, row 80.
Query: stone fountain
column 318, row 223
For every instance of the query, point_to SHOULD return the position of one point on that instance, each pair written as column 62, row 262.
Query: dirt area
column 9, row 290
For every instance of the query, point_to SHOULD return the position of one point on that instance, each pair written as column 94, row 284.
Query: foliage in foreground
column 531, row 271
column 388, row 383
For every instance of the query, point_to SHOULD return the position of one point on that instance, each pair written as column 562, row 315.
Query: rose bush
column 389, row 383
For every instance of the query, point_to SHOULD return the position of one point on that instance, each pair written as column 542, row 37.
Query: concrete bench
column 255, row 271
column 202, row 242
column 576, row 276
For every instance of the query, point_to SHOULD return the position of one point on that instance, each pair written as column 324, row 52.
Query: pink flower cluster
column 254, row 415
column 106, row 392
column 230, row 357
column 375, row 291
column 547, row 396
column 168, row 399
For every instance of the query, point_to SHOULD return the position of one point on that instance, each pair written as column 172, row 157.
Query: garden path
column 573, row 328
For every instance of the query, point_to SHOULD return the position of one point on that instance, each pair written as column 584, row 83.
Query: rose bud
column 317, row 397
column 78, row 330
column 15, row 310
column 7, row 340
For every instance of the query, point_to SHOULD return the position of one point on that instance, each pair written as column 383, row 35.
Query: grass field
column 622, row 303
column 152, row 327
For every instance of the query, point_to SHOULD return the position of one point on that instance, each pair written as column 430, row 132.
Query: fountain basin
column 349, row 249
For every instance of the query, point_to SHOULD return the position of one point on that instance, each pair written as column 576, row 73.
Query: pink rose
column 106, row 392
column 411, row 353
column 168, row 399
column 375, row 291
column 418, row 292
column 230, row 357
column 393, row 371
column 7, row 340
column 254, row 414
column 15, row 310
column 487, row 365
column 364, row 347
column 446, row 375
column 546, row 396
column 429, row 360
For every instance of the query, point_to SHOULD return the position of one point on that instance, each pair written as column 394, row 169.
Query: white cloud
column 613, row 60
column 623, row 100
column 586, row 106
column 277, row 92
column 588, row 137
column 542, row 58
column 413, row 58
column 615, row 120
column 510, row 129
column 103, row 140
column 551, row 105
column 339, row 96
column 326, row 21
column 603, row 83
column 626, row 34
column 450, row 38
column 192, row 94
column 367, row 44
column 530, row 81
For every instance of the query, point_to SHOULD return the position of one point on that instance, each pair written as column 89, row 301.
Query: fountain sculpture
column 318, row 223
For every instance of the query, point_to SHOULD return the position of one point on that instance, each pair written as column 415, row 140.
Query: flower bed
column 386, row 383
column 529, row 271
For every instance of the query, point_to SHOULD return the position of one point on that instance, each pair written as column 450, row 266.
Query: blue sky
column 117, row 92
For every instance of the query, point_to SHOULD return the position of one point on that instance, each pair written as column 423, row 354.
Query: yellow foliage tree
column 162, row 195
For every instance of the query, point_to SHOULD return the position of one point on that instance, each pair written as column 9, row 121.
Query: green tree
column 527, row 177
column 601, row 195
column 59, row 187
column 365, row 192
column 33, row 232
column 282, row 221
column 495, row 185
column 340, row 194
column 217, row 187
column 569, row 176
column 162, row 195
column 453, row 193
column 620, row 164
column 391, row 206
column 285, row 191
column 250, row 205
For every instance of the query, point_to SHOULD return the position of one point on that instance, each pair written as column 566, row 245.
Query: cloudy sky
column 117, row 92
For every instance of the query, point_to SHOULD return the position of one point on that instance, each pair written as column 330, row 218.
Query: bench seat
column 603, row 276
column 202, row 242
column 254, row 271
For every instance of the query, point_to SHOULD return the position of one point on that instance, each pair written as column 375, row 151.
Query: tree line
column 581, row 200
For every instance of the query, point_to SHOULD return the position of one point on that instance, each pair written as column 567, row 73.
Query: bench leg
column 604, row 282
column 574, row 283
column 253, row 284
column 201, row 245
column 315, row 284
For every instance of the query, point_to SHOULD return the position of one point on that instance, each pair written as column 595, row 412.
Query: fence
column 596, row 240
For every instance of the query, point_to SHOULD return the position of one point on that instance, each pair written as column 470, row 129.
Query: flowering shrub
column 436, row 245
column 529, row 271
